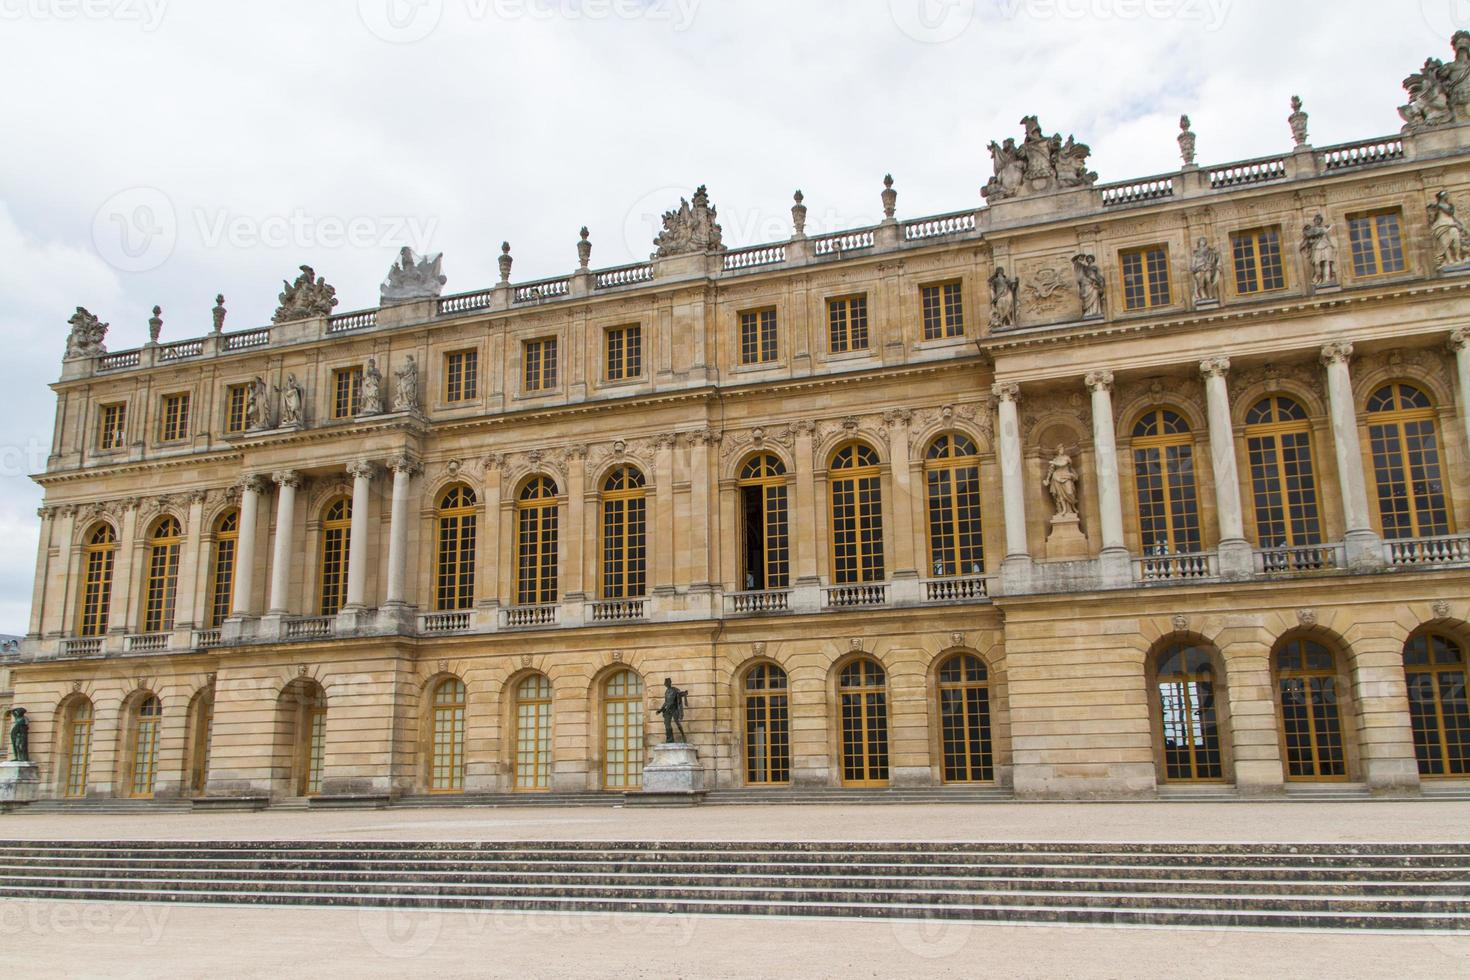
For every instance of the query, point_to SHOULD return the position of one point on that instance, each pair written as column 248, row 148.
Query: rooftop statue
column 87, row 335
column 1439, row 93
column 1040, row 164
column 413, row 277
column 692, row 228
column 307, row 297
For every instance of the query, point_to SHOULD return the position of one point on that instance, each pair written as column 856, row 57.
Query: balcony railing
column 852, row 596
column 939, row 226
column 1415, row 552
column 966, row 589
column 82, row 646
column 1362, row 154
column 626, row 275
column 309, row 627
column 523, row 617
column 619, row 610
column 1300, row 558
column 204, row 639
column 1176, row 568
column 146, row 642
column 183, row 350
column 465, row 302
column 347, row 322
column 246, row 339
column 767, row 601
column 750, row 258
column 446, row 622
column 547, row 289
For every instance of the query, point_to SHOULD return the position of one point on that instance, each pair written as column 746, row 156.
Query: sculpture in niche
column 1297, row 121
column 692, row 228
column 370, row 399
column 1186, row 141
column 219, row 312
column 291, row 402
column 1321, row 250
column 1439, row 93
column 413, row 277
column 87, row 335
column 1451, row 240
column 1003, row 291
column 673, row 710
column 257, row 404
column 406, row 386
column 308, row 296
column 1061, row 483
column 1040, row 164
column 1091, row 288
column 1204, row 266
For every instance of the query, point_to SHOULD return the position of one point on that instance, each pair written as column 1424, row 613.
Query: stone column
column 702, row 546
column 362, row 474
column 1113, row 559
column 38, row 587
column 1460, row 344
column 242, row 603
column 1364, row 548
column 1016, row 569
column 404, row 470
column 1235, row 552
column 189, row 604
column 287, row 483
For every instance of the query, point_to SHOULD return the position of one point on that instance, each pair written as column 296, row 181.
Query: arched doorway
column 622, row 731
column 1186, row 693
column 964, row 720
column 767, row 725
column 1310, row 705
column 201, row 733
column 75, row 732
column 1434, row 669
column 145, row 717
column 446, row 762
column 533, row 734
column 863, row 693
column 303, row 715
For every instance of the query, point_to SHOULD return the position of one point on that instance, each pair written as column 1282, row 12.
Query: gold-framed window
column 539, row 364
column 174, row 422
column 765, row 524
column 346, row 392
column 112, row 426
column 461, row 375
column 147, row 715
column 1377, row 243
column 315, row 719
column 78, row 744
column 160, row 594
column 1434, row 668
column 952, row 476
column 454, row 562
column 862, row 688
column 336, row 543
column 533, row 734
column 99, row 556
column 758, row 338
column 624, row 534
column 1408, row 476
column 856, row 491
column 1309, row 701
column 537, row 541
column 201, row 739
column 1189, row 724
column 1164, row 480
column 446, row 769
column 1145, row 274
column 1257, row 260
column 623, row 350
column 847, row 324
column 622, row 731
column 222, row 568
column 237, row 401
column 942, row 310
column 1278, row 439
column 964, row 720
column 767, row 715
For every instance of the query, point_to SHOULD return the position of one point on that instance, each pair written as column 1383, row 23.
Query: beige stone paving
column 1412, row 821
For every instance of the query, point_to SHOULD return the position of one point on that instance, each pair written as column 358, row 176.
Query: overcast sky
column 161, row 151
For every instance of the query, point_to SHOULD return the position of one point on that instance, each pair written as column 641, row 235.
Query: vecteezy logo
column 932, row 21
column 398, row 933
column 135, row 230
column 1445, row 17
column 400, row 21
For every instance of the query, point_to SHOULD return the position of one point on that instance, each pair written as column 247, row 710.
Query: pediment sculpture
column 414, row 277
column 307, row 297
column 1040, row 164
column 692, row 228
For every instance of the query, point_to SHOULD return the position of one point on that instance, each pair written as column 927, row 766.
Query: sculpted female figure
column 1061, row 483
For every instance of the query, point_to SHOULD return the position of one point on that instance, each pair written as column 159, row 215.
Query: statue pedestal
column 672, row 775
column 20, row 782
column 1066, row 540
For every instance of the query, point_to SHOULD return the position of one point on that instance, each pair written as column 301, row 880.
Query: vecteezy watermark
column 147, row 14
column 407, row 21
column 300, row 229
column 136, row 229
column 18, row 461
column 932, row 21
column 22, row 919
column 407, row 933
column 1211, row 14
column 1445, row 17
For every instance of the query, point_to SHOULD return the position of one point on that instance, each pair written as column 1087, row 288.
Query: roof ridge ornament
column 309, row 296
column 691, row 228
column 413, row 277
column 1041, row 164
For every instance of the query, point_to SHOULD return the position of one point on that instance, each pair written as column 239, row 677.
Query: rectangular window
column 943, row 311
column 1258, row 266
column 1378, row 247
column 175, row 423
column 347, row 392
column 848, row 320
column 461, row 375
column 1145, row 277
column 624, row 352
column 540, row 360
column 237, row 398
column 758, row 337
column 112, row 424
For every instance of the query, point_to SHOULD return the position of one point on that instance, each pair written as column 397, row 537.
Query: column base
column 1017, row 575
column 1392, row 777
column 1091, row 781
column 1364, row 550
column 355, row 619
column 1115, row 568
column 1237, row 560
column 397, row 617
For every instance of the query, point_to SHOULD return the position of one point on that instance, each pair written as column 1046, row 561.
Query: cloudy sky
column 161, row 151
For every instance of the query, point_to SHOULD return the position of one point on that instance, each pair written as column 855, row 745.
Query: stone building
column 1098, row 490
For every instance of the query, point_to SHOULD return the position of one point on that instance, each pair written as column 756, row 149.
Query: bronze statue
column 673, row 710
column 20, row 736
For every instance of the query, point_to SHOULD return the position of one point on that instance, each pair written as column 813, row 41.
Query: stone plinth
column 1066, row 540
column 673, row 768
column 20, row 782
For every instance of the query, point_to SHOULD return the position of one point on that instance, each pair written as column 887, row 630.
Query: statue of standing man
column 673, row 710
column 20, row 736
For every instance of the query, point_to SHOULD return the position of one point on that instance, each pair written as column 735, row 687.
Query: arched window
column 1283, row 478
column 1311, row 718
column 767, row 725
column 622, row 731
column 146, row 715
column 857, row 516
column 1188, row 722
column 336, row 540
column 201, row 736
column 454, row 583
column 1434, row 666
column 99, row 556
column 952, row 472
column 536, row 543
column 161, row 593
column 862, row 687
column 624, row 534
column 76, row 748
column 964, row 719
column 1406, row 465
column 1163, row 467
column 533, row 733
column 446, row 772
column 222, row 575
column 764, row 525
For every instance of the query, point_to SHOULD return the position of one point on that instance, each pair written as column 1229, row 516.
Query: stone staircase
column 107, row 806
column 1423, row 887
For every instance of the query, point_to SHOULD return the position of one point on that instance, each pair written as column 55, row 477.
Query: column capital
column 804, row 427
column 897, row 416
column 1006, row 392
column 1337, row 352
column 362, row 470
column 1214, row 367
column 1459, row 339
column 287, row 478
column 705, row 437
column 405, row 464
column 666, row 441
column 1099, row 380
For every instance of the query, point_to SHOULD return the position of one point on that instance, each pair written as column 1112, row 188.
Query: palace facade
column 1093, row 491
